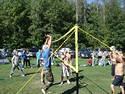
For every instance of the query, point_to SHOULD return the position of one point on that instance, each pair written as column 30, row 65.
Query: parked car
column 33, row 51
column 85, row 53
column 4, row 52
column 20, row 52
column 72, row 53
column 3, row 57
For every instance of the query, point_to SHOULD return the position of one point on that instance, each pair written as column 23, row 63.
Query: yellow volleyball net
column 74, row 30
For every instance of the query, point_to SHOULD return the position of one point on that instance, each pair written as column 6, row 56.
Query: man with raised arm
column 112, row 56
column 46, row 73
column 119, row 72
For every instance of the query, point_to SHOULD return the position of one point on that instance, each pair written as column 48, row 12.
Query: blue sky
column 90, row 1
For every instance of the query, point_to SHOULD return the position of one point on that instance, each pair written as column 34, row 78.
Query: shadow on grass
column 31, row 73
column 79, row 71
column 90, row 92
column 73, row 89
column 83, row 85
column 74, row 79
column 2, row 79
column 70, row 91
column 57, row 83
column 71, row 79
column 97, row 85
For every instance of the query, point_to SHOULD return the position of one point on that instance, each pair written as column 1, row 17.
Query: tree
column 14, row 24
column 115, row 22
column 23, row 23
column 49, row 16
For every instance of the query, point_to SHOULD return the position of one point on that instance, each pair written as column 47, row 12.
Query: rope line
column 27, row 82
column 94, row 37
column 64, row 35
column 67, row 64
column 63, row 42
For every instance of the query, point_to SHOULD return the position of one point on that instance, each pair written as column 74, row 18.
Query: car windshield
column 33, row 50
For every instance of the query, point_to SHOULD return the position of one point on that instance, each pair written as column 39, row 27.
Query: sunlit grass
column 97, row 78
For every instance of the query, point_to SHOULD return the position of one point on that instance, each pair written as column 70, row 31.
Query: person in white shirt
column 15, row 64
column 65, row 69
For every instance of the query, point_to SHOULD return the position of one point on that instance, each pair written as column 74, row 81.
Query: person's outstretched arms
column 48, row 41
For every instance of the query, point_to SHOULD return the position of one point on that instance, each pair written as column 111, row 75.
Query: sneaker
column 85, row 85
column 49, row 92
column 23, row 75
column 68, row 82
column 22, row 68
column 10, row 76
column 43, row 91
column 61, row 83
column 42, row 81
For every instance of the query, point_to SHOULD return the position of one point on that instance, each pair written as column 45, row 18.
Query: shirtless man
column 119, row 72
column 112, row 56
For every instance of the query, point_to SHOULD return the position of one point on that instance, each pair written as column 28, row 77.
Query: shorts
column 99, row 57
column 118, row 81
column 65, row 70
column 49, row 75
column 47, row 78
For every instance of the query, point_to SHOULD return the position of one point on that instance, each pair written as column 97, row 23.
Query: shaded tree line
column 23, row 23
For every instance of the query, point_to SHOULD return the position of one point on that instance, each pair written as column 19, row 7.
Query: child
column 15, row 64
column 69, row 59
column 89, row 61
column 65, row 68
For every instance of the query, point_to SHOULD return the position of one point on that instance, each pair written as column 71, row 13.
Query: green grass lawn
column 97, row 78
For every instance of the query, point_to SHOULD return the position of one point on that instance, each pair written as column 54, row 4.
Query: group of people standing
column 44, row 61
column 16, row 63
column 25, row 59
column 19, row 60
column 103, row 58
column 117, row 61
column 47, row 79
column 100, row 58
